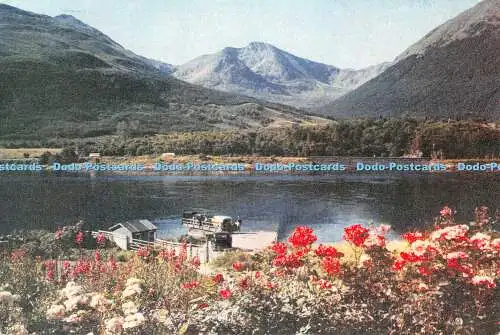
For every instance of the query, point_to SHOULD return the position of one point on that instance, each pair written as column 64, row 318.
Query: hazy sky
column 344, row 33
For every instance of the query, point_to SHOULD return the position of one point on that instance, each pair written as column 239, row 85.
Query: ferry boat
column 194, row 220
column 216, row 228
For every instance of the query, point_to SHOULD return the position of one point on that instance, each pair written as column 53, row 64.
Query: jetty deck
column 251, row 241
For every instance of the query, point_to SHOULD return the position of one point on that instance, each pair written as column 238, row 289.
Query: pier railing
column 125, row 243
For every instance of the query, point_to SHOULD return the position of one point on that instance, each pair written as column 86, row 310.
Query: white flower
column 6, row 298
column 134, row 281
column 71, row 290
column 55, row 312
column 18, row 330
column 75, row 317
column 129, row 308
column 114, row 325
column 133, row 320
column 72, row 303
column 131, row 290
column 383, row 229
column 98, row 300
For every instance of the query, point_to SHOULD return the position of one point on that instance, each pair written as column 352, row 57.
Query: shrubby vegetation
column 443, row 282
column 364, row 137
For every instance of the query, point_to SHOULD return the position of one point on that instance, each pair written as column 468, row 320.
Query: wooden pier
column 247, row 241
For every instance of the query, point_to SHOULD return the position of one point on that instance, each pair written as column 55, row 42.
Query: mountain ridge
column 265, row 71
column 62, row 78
column 453, row 72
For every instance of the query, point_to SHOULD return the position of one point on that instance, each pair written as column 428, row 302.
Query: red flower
column 79, row 238
column 225, row 294
column 323, row 251
column 331, row 265
column 412, row 237
column 238, row 266
column 356, row 234
column 410, row 257
column 302, row 237
column 279, row 248
column 218, row 278
column 290, row 261
column 398, row 264
column 203, row 305
column 257, row 275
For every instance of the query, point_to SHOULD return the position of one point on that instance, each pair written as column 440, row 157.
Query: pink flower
column 100, row 239
column 457, row 255
column 495, row 244
column 420, row 247
column 383, row 229
column 196, row 261
column 97, row 256
column 458, row 232
column 191, row 284
column 324, row 284
column 225, row 294
column 424, row 271
column 446, row 211
column 79, row 238
column 374, row 240
column 218, row 278
column 480, row 240
column 483, row 281
column 238, row 266
column 59, row 234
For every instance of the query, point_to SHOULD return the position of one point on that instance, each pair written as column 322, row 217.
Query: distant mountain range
column 62, row 78
column 262, row 70
column 452, row 72
column 59, row 77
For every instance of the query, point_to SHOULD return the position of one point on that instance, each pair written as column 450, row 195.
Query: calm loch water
column 279, row 203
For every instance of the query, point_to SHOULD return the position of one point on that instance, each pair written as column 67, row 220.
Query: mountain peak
column 260, row 45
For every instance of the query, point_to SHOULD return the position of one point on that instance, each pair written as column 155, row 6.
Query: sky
column 344, row 33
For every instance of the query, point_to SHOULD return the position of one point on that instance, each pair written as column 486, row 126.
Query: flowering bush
column 443, row 281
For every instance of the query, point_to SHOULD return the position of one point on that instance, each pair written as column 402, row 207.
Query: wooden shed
column 136, row 229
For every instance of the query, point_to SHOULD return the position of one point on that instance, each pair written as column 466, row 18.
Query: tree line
column 364, row 137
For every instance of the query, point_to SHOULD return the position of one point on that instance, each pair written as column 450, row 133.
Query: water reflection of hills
column 264, row 203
